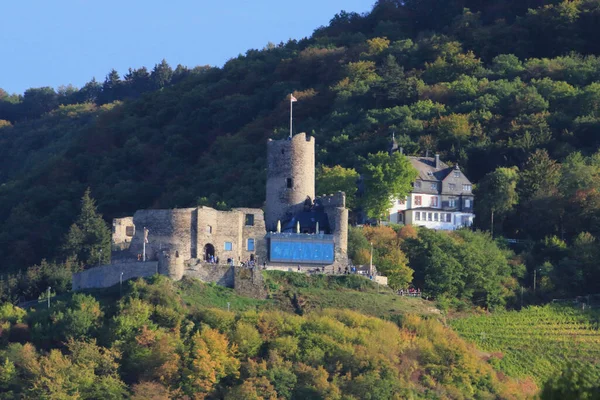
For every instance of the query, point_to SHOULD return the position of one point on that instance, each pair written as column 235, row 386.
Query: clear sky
column 57, row 42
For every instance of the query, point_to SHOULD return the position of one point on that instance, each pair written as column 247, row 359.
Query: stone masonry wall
column 110, row 275
column 256, row 232
column 169, row 229
column 250, row 283
column 293, row 159
column 222, row 275
column 120, row 239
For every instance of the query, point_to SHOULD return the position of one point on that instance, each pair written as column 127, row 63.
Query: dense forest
column 508, row 90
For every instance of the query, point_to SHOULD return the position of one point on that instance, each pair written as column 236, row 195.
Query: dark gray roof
column 443, row 175
column 426, row 168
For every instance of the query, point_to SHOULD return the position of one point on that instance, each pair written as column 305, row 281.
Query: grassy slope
column 301, row 293
column 293, row 292
column 537, row 341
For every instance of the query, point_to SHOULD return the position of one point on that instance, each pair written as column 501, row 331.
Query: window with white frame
column 451, row 202
column 451, row 187
column 467, row 188
column 418, row 200
column 417, row 216
column 457, row 174
column 468, row 203
column 435, row 217
column 417, row 184
column 434, row 186
column 429, row 217
column 448, row 217
column 434, row 202
column 250, row 245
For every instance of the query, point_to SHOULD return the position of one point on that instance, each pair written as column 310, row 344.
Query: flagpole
column 291, row 111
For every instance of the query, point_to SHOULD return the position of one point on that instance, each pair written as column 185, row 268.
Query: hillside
column 164, row 340
column 484, row 87
column 536, row 342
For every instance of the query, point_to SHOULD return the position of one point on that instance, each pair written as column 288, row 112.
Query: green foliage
column 539, row 342
column 88, row 239
column 497, row 194
column 385, row 177
column 576, row 381
column 332, row 180
column 463, row 264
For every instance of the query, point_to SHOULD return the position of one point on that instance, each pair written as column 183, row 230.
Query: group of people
column 347, row 270
column 211, row 259
column 410, row 292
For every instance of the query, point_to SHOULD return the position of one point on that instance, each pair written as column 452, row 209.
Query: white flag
column 292, row 98
column 146, row 231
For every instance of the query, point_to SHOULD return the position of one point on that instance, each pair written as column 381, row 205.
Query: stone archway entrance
column 209, row 250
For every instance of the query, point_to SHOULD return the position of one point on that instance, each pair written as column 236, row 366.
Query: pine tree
column 89, row 238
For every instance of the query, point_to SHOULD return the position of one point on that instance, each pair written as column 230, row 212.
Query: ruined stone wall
column 337, row 214
column 250, row 283
column 171, row 230
column 171, row 265
column 289, row 159
column 257, row 232
column 226, row 226
column 123, row 231
column 110, row 275
column 222, row 275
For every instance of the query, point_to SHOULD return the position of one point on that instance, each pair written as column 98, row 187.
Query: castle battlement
column 332, row 200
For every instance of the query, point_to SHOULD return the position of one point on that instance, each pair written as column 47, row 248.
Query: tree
column 37, row 101
column 161, row 75
column 333, row 179
column 496, row 193
column 112, row 87
column 385, row 177
column 89, row 238
column 540, row 173
column 576, row 381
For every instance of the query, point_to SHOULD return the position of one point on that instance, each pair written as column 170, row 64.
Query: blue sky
column 57, row 42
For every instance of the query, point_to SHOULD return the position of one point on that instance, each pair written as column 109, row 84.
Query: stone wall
column 123, row 231
column 289, row 159
column 334, row 206
column 222, row 275
column 250, row 283
column 169, row 230
column 110, row 275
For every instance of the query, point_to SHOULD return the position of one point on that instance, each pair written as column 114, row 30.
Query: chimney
column 437, row 161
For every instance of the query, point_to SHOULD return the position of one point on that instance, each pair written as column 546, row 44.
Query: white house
column 442, row 197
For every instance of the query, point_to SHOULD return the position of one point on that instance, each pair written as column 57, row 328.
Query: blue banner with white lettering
column 311, row 252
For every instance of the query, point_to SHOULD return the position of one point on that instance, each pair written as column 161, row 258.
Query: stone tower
column 290, row 177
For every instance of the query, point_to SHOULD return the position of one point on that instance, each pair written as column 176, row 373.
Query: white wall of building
column 410, row 202
column 439, row 221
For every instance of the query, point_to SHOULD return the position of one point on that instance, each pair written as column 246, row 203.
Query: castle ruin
column 296, row 229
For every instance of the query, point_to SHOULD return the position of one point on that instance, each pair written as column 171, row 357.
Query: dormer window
column 457, row 174
column 429, row 173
